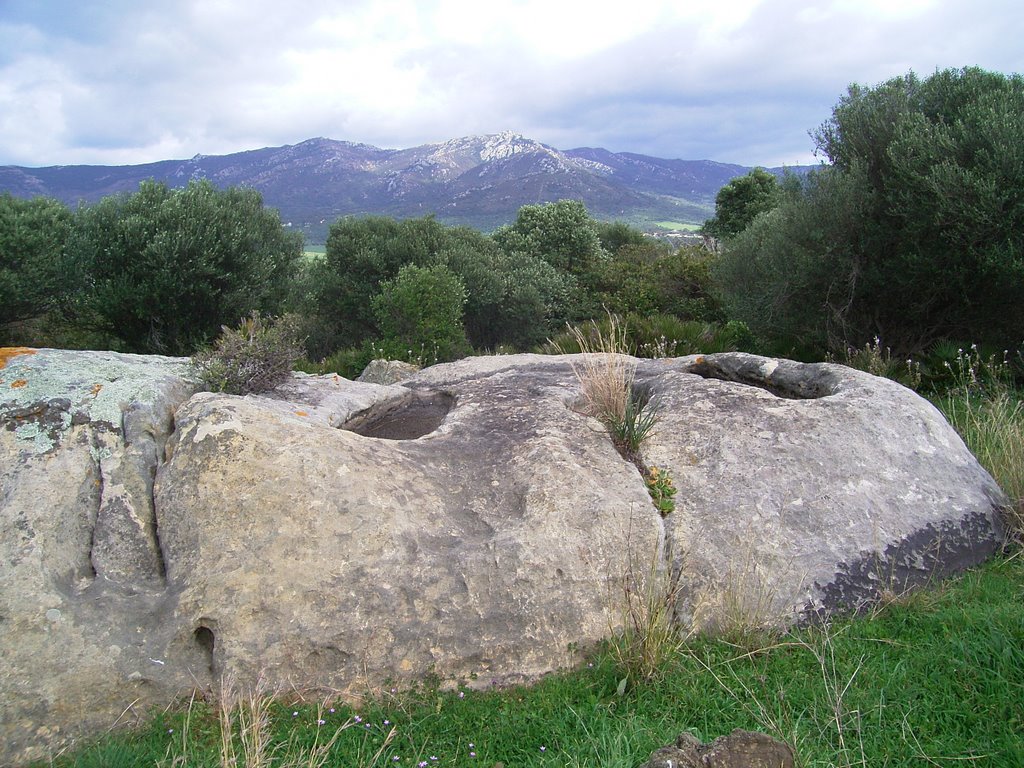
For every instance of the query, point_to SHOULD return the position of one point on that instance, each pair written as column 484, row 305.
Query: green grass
column 992, row 426
column 313, row 252
column 678, row 225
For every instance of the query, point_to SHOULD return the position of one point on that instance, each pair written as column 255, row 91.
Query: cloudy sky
column 743, row 81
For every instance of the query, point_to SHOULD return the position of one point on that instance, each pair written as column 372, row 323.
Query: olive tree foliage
column 740, row 201
column 509, row 300
column 420, row 315
column 791, row 274
column 561, row 233
column 914, row 234
column 615, row 235
column 170, row 267
column 36, row 275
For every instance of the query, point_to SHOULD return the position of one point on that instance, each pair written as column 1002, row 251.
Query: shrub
column 874, row 359
column 657, row 336
column 348, row 362
column 912, row 233
column 419, row 314
column 169, row 267
column 255, row 357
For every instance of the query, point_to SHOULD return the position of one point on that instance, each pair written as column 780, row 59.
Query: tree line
column 912, row 233
column 162, row 270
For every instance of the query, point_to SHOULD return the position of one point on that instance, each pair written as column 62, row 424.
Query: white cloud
column 735, row 80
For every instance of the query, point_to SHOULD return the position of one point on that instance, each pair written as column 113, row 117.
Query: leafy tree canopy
column 171, row 267
column 740, row 201
column 561, row 233
column 35, row 273
column 915, row 234
column 420, row 314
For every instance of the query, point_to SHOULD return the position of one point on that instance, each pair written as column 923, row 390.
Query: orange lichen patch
column 301, row 413
column 96, row 389
column 6, row 353
column 699, row 360
column 18, row 384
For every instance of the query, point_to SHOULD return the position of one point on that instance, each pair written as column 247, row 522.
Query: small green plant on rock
column 662, row 490
column 637, row 422
column 255, row 357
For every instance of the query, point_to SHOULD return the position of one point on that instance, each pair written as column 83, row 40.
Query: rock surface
column 808, row 489
column 84, row 606
column 467, row 523
column 740, row 749
column 387, row 372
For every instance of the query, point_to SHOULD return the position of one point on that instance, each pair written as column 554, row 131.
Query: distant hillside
column 479, row 181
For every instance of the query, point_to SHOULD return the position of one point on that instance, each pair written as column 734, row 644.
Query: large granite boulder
column 807, row 489
column 468, row 522
column 84, row 605
column 479, row 531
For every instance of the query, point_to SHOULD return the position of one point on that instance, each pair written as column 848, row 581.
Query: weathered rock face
column 807, row 489
column 467, row 523
column 84, row 605
column 315, row 555
column 740, row 749
column 387, row 372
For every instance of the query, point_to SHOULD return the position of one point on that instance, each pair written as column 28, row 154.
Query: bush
column 879, row 361
column 420, row 315
column 348, row 362
column 169, row 267
column 657, row 336
column 253, row 358
column 914, row 233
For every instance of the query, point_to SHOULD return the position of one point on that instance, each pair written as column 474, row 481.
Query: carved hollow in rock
column 207, row 642
column 405, row 418
column 789, row 381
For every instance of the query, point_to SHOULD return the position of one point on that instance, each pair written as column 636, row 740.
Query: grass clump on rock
column 254, row 357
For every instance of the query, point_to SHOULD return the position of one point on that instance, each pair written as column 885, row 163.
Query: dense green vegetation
column 162, row 271
column 914, row 233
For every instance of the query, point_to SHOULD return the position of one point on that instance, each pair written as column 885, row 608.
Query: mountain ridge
column 479, row 181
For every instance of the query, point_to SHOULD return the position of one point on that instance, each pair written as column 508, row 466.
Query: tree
column 420, row 314
column 562, row 234
column 916, row 232
column 740, row 201
column 169, row 267
column 510, row 299
column 615, row 235
column 792, row 273
column 36, row 276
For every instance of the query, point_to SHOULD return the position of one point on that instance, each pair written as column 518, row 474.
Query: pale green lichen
column 98, row 385
column 37, row 435
column 99, row 454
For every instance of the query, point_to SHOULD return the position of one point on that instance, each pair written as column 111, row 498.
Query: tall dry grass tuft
column 245, row 732
column 650, row 635
column 605, row 371
column 992, row 426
